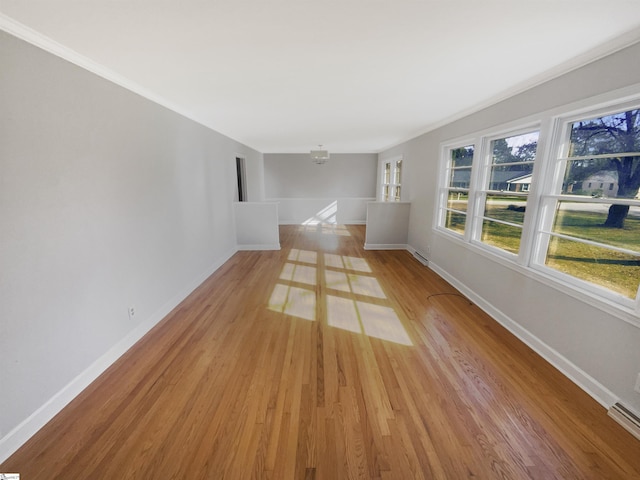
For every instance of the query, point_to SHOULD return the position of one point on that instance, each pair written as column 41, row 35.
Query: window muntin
column 592, row 231
column 455, row 195
column 503, row 201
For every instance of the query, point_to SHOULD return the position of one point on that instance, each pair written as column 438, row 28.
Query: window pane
column 397, row 197
column 502, row 236
column 385, row 192
column 617, row 133
column 583, row 177
column 460, row 178
column 518, row 148
column 600, row 177
column 455, row 221
column 458, row 201
column 462, row 157
column 398, row 172
column 387, row 173
column 610, row 134
column 512, row 178
column 615, row 271
column 506, row 208
column 511, row 171
column 587, row 221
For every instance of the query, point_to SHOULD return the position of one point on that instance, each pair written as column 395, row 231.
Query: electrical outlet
column 637, row 387
column 132, row 312
column 428, row 250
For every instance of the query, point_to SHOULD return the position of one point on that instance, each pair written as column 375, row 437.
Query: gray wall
column 106, row 200
column 587, row 342
column 293, row 175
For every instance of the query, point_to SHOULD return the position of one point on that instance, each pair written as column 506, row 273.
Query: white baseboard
column 385, row 246
column 590, row 385
column 38, row 419
column 346, row 222
column 259, row 247
column 627, row 418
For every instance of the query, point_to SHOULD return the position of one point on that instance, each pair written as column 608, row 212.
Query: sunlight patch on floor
column 361, row 317
column 357, row 316
column 298, row 302
column 298, row 273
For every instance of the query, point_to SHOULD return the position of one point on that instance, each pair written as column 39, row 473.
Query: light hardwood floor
column 326, row 361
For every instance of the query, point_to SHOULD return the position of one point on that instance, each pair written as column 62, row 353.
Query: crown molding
column 29, row 35
column 603, row 50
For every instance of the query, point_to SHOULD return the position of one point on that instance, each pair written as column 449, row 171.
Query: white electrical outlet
column 132, row 312
column 637, row 387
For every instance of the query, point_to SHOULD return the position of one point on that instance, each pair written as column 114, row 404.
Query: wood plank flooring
column 325, row 361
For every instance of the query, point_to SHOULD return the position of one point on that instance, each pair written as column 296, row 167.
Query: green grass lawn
column 616, row 271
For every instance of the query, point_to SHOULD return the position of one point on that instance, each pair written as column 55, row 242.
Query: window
column 586, row 234
column 391, row 180
column 454, row 195
column 396, row 179
column 577, row 225
column 503, row 200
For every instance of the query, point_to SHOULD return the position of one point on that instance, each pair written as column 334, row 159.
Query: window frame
column 552, row 195
column 444, row 187
column 485, row 160
column 394, row 183
column 545, row 173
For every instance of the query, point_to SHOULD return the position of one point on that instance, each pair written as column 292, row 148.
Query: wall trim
column 19, row 435
column 259, row 247
column 29, row 35
column 346, row 222
column 386, row 246
column 586, row 382
column 593, row 55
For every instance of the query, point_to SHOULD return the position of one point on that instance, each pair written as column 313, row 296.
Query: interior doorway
column 242, row 179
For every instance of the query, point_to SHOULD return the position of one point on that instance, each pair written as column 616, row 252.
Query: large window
column 454, row 194
column 570, row 212
column 591, row 230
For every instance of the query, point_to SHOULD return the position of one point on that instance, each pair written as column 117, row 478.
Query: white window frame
column 393, row 185
column 444, row 188
column 481, row 189
column 552, row 195
column 530, row 261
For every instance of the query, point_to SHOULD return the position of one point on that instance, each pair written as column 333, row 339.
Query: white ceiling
column 353, row 75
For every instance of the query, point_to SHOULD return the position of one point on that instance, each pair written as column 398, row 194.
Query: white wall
column 387, row 225
column 306, row 191
column 257, row 226
column 107, row 200
column 596, row 348
column 293, row 175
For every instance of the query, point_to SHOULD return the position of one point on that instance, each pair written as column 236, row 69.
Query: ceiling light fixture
column 320, row 156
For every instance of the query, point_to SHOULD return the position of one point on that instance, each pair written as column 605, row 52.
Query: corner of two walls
column 595, row 349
